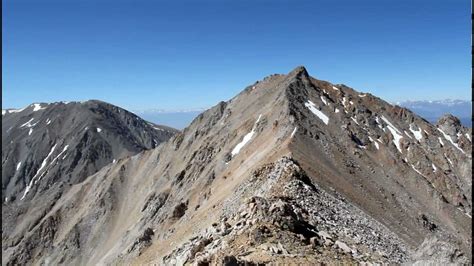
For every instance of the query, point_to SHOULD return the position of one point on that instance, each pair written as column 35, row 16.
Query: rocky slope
column 47, row 148
column 292, row 169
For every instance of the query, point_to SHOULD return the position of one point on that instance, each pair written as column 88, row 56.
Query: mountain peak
column 299, row 71
column 450, row 119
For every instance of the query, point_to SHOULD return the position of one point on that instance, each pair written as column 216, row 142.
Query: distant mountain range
column 178, row 119
column 433, row 110
column 430, row 110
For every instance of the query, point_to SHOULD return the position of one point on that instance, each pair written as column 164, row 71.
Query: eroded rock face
column 293, row 169
column 291, row 216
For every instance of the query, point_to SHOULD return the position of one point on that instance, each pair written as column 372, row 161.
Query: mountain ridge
column 227, row 188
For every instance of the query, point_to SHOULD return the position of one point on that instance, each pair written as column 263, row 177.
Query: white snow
column 468, row 137
column 378, row 122
column 312, row 107
column 336, row 110
column 353, row 119
column 449, row 160
column 16, row 110
column 344, row 101
column 440, row 141
column 113, row 161
column 324, row 100
column 351, row 102
column 334, row 88
column 412, row 166
column 64, row 150
column 397, row 136
column 447, row 137
column 43, row 164
column 18, row 166
column 246, row 139
column 4, row 112
column 375, row 143
column 37, row 107
column 99, row 130
column 362, row 95
column 434, row 167
column 30, row 131
column 406, row 133
column 293, row 133
column 48, row 121
column 28, row 124
column 416, row 133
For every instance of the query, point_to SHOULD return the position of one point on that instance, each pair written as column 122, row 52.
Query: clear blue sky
column 176, row 54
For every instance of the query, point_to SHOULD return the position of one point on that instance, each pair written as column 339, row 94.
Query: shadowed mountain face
column 47, row 148
column 68, row 142
column 290, row 166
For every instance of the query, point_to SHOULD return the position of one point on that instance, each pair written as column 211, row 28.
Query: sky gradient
column 179, row 54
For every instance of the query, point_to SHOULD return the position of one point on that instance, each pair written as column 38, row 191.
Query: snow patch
column 43, row 164
column 406, row 133
column 28, row 124
column 61, row 153
column 353, row 119
column 18, row 166
column 312, row 107
column 412, row 166
column 30, row 131
column 246, row 139
column 377, row 121
column 294, row 131
column 99, row 129
column 434, row 167
column 16, row 110
column 37, row 107
column 397, row 136
column 48, row 121
column 344, row 101
column 336, row 110
column 4, row 112
column 447, row 137
column 440, row 141
column 449, row 160
column 362, row 95
column 416, row 133
column 468, row 137
column 324, row 100
column 334, row 88
column 375, row 143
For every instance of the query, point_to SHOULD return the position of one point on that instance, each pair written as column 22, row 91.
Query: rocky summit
column 293, row 170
